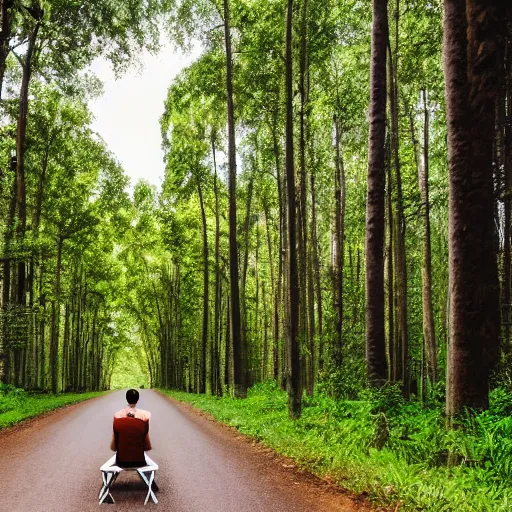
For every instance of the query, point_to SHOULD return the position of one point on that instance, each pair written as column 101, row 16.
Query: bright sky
column 127, row 116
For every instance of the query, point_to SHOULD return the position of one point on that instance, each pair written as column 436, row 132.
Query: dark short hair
column 132, row 396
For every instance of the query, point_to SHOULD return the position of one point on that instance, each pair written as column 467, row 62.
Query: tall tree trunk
column 22, row 122
column 400, row 227
column 294, row 385
column 229, row 348
column 42, row 330
column 316, row 264
column 218, row 284
column 375, row 339
column 282, row 216
column 77, row 334
column 243, row 296
column 285, row 291
column 21, row 188
column 470, row 70
column 422, row 164
column 503, row 161
column 302, row 254
column 65, row 349
column 204, row 345
column 6, row 280
column 35, row 325
column 393, row 352
column 264, row 361
column 507, row 164
column 272, row 283
column 240, row 385
column 340, row 200
column 255, row 367
column 28, row 355
column 220, row 373
column 54, row 340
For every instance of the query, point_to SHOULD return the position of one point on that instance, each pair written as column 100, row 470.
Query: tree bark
column 393, row 352
column 204, row 345
column 240, row 385
column 400, row 225
column 294, row 385
column 375, row 340
column 243, row 293
column 470, row 70
column 218, row 292
column 273, row 285
column 278, row 362
column 304, row 333
column 340, row 200
column 316, row 265
column 422, row 164
column 508, row 165
column 6, row 279
column 20, row 163
column 54, row 340
column 22, row 128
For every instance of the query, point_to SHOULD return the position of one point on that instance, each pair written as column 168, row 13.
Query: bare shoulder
column 120, row 413
column 143, row 415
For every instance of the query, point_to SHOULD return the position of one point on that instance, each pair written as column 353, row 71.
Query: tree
column 239, row 351
column 294, row 385
column 375, row 344
column 470, row 71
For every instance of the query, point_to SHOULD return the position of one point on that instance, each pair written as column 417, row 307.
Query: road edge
column 28, row 421
column 291, row 464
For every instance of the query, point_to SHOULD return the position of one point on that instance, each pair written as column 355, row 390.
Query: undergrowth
column 395, row 452
column 17, row 405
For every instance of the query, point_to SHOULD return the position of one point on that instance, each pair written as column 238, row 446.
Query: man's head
column 132, row 396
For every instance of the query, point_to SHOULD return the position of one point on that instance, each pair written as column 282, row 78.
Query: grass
column 16, row 405
column 395, row 452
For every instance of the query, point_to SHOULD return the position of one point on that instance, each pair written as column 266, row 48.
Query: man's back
column 130, row 436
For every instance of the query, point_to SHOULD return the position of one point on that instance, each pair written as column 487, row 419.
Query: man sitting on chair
column 130, row 441
column 130, row 436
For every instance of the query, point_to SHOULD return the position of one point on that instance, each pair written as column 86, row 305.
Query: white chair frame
column 110, row 472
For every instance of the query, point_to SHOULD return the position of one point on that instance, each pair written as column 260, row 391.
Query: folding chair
column 110, row 472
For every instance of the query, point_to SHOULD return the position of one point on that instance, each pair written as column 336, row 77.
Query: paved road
column 52, row 464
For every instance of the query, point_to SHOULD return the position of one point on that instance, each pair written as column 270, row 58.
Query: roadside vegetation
column 17, row 405
column 394, row 451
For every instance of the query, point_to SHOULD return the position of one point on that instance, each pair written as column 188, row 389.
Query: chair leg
column 108, row 481
column 104, row 483
column 154, row 486
column 149, row 484
column 150, row 490
column 104, row 488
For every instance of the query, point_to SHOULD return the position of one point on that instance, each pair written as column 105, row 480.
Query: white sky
column 127, row 116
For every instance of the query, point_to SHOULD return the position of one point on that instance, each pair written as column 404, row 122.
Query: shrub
column 11, row 398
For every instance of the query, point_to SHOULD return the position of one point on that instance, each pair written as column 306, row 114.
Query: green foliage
column 11, row 398
column 128, row 371
column 335, row 438
column 17, row 405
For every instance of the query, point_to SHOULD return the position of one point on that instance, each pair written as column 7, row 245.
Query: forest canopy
column 334, row 216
